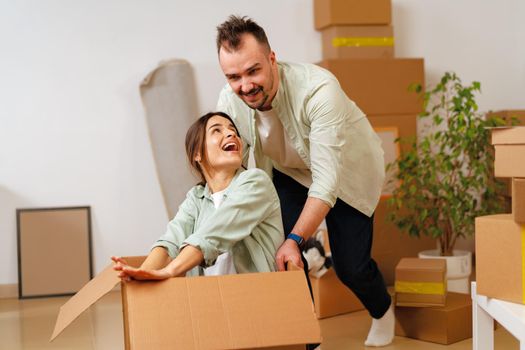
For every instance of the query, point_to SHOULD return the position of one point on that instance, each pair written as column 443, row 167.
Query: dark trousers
column 350, row 234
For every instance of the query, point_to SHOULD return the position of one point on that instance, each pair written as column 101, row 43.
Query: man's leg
column 350, row 234
column 292, row 196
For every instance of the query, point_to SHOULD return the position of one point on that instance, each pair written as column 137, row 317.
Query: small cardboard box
column 444, row 325
column 518, row 199
column 358, row 42
column 367, row 81
column 421, row 282
column 509, row 115
column 500, row 259
column 332, row 297
column 351, row 12
column 243, row 311
column 509, row 145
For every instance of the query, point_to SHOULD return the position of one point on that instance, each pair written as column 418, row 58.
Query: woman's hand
column 126, row 272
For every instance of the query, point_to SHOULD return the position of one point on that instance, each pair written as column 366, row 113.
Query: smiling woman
column 229, row 223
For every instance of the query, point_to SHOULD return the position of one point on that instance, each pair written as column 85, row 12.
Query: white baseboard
column 8, row 291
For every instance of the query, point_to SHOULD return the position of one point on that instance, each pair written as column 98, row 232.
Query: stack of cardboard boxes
column 358, row 48
column 424, row 308
column 510, row 117
column 500, row 239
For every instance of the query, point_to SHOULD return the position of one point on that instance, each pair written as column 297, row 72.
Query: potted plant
column 446, row 179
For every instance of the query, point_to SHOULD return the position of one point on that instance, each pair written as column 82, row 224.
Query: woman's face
column 223, row 147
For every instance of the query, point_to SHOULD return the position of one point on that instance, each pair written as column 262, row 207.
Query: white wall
column 72, row 129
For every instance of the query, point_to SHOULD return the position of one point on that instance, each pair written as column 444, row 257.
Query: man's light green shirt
column 248, row 223
column 329, row 132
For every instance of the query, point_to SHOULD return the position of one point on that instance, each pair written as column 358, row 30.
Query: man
column 326, row 160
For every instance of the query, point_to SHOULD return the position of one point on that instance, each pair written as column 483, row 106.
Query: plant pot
column 459, row 268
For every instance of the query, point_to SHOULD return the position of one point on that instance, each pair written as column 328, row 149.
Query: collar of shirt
column 204, row 191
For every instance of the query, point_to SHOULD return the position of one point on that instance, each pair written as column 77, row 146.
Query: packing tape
column 523, row 262
column 420, row 287
column 362, row 41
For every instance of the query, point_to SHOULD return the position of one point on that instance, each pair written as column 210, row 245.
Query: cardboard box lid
column 508, row 135
column 415, row 269
column 234, row 311
column 95, row 289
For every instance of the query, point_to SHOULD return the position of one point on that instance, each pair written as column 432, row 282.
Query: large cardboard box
column 509, row 145
column 421, row 282
column 244, row 311
column 390, row 244
column 500, row 259
column 358, row 42
column 518, row 199
column 405, row 124
column 356, row 12
column 332, row 297
column 444, row 325
column 380, row 86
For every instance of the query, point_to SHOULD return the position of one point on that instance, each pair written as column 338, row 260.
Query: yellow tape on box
column 362, row 41
column 420, row 287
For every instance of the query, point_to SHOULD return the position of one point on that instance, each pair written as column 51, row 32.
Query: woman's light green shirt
column 248, row 223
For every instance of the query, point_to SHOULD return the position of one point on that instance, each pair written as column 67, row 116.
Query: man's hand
column 126, row 272
column 288, row 251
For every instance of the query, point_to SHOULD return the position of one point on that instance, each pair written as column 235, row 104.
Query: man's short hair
column 230, row 32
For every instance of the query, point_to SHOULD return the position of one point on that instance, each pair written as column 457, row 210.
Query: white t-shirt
column 275, row 142
column 224, row 263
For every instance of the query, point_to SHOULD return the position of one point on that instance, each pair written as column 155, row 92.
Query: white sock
column 382, row 331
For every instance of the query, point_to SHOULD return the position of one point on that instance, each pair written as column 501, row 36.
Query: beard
column 255, row 104
column 265, row 96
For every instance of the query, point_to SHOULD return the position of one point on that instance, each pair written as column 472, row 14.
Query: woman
column 233, row 212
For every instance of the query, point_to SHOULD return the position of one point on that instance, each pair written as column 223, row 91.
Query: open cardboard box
column 245, row 311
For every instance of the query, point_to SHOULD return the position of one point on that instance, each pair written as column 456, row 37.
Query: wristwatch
column 298, row 239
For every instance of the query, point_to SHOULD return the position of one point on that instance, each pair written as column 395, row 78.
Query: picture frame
column 54, row 251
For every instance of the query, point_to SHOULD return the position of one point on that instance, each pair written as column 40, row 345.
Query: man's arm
column 314, row 212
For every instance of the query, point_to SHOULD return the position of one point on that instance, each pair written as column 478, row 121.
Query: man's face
column 251, row 71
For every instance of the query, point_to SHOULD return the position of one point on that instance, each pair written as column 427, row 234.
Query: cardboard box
column 332, row 297
column 380, row 86
column 353, row 12
column 390, row 244
column 509, row 145
column 508, row 115
column 444, row 325
column 243, row 311
column 358, row 42
column 500, row 259
column 421, row 282
column 518, row 199
column 406, row 125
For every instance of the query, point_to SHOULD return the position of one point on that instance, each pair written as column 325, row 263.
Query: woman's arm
column 158, row 265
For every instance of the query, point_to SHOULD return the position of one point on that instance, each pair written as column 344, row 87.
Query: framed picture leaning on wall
column 54, row 251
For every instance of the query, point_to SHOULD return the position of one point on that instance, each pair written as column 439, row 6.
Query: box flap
column 87, row 296
column 508, row 135
column 221, row 312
